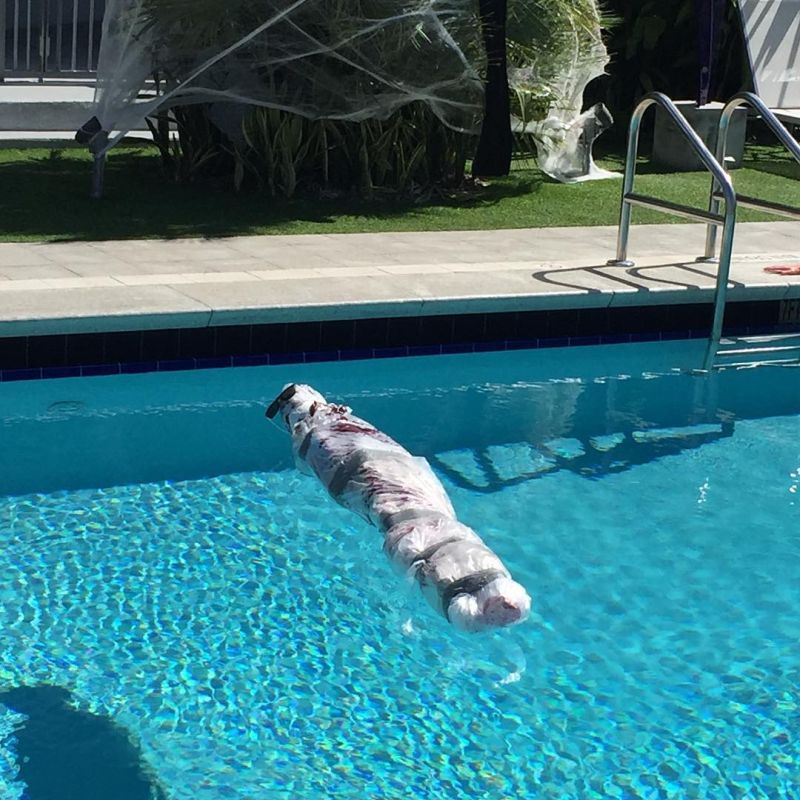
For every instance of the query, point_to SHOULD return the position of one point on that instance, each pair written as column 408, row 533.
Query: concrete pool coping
column 106, row 286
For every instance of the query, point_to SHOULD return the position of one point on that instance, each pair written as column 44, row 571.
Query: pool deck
column 104, row 286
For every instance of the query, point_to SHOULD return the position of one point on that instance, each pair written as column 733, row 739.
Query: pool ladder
column 722, row 191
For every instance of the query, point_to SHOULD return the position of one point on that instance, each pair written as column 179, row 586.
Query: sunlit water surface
column 249, row 635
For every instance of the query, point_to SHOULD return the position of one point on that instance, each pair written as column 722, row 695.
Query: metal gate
column 50, row 38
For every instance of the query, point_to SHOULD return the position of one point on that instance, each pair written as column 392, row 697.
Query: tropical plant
column 655, row 48
column 295, row 139
column 409, row 152
column 551, row 46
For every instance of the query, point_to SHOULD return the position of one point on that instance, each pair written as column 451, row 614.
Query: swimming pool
column 164, row 563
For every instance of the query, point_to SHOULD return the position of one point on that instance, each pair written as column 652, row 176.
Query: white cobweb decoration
column 333, row 59
column 560, row 74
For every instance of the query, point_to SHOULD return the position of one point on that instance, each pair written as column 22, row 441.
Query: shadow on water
column 626, row 453
column 66, row 754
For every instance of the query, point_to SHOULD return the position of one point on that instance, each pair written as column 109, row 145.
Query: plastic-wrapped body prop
column 369, row 473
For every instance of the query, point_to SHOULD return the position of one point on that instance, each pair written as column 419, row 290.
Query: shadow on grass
column 47, row 198
column 787, row 168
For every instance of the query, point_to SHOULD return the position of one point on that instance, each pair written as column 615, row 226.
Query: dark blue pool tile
column 339, row 334
column 557, row 341
column 502, row 326
column 28, row 358
column 93, row 370
column 176, row 364
column 457, row 347
column 321, row 356
column 403, row 331
column 13, row 352
column 656, row 319
column 60, row 372
column 645, row 336
column 270, row 338
column 762, row 329
column 469, row 328
column 735, row 330
column 285, row 358
column 560, row 324
column 390, row 352
column 137, row 367
column 47, row 351
column 615, row 338
column 752, row 312
column 630, row 320
column 689, row 317
column 232, row 340
column 161, row 345
column 526, row 344
column 593, row 322
column 303, row 336
column 488, row 347
column 216, row 362
column 425, row 350
column 584, row 341
column 536, row 324
column 8, row 375
column 260, row 360
column 121, row 346
column 86, row 348
column 436, row 330
column 371, row 333
column 356, row 354
column 196, row 343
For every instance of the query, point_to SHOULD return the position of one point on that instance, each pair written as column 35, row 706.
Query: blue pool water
column 163, row 562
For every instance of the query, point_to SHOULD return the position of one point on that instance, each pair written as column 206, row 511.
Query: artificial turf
column 44, row 197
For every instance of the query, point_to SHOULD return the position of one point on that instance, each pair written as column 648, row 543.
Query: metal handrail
column 785, row 138
column 711, row 217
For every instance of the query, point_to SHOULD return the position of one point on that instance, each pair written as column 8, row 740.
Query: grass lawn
column 45, row 198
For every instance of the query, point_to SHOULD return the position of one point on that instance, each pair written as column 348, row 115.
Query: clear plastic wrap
column 372, row 475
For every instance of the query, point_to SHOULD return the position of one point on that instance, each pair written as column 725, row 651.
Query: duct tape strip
column 469, row 584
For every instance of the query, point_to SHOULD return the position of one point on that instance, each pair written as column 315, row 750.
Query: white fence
column 50, row 38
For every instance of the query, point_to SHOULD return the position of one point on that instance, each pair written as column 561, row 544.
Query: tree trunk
column 493, row 156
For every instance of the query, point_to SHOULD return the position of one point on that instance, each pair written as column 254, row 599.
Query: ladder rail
column 721, row 177
column 715, row 198
column 721, row 183
column 784, row 137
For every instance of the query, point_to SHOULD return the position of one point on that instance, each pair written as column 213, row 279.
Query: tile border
column 176, row 349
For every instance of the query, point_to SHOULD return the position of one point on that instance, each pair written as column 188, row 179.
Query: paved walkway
column 140, row 284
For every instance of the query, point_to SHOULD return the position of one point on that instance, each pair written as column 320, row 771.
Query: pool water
column 163, row 562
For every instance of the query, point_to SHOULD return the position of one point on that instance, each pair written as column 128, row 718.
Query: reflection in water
column 494, row 468
column 66, row 754
column 591, row 428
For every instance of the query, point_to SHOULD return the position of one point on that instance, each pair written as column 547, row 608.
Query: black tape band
column 285, row 395
column 345, row 471
column 469, row 584
column 429, row 552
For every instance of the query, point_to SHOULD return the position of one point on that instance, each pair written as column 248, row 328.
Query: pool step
column 748, row 351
